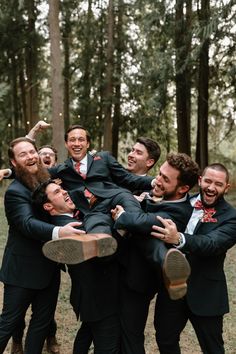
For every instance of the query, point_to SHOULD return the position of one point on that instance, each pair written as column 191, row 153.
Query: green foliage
column 144, row 67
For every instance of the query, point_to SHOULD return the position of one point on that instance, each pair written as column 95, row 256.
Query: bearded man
column 29, row 278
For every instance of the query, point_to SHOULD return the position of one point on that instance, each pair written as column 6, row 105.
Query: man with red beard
column 29, row 278
column 210, row 232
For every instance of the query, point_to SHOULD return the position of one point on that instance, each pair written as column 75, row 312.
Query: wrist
column 30, row 137
column 179, row 239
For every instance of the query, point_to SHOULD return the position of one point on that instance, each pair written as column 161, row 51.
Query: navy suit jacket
column 23, row 263
column 206, row 250
column 105, row 177
column 94, row 291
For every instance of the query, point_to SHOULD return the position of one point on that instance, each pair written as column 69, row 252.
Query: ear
column 199, row 180
column 48, row 207
column 227, row 188
column 150, row 163
column 183, row 189
column 13, row 162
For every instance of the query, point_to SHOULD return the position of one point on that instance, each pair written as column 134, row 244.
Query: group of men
column 162, row 242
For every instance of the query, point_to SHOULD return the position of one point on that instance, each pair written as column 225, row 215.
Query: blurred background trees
column 122, row 68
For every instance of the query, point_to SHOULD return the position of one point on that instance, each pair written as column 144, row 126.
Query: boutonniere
column 208, row 215
column 97, row 158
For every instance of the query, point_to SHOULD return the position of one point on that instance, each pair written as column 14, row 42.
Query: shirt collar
column 176, row 201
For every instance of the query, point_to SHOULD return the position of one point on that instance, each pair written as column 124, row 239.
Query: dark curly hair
column 188, row 169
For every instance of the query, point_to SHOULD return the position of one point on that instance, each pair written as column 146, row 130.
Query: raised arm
column 40, row 126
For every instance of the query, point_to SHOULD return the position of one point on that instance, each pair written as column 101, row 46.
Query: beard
column 31, row 181
column 218, row 198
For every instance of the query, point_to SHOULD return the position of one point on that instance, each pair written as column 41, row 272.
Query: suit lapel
column 89, row 162
column 219, row 215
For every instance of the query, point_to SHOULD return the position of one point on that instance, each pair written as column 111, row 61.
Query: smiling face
column 213, row 185
column 77, row 144
column 167, row 183
column 58, row 200
column 26, row 157
column 138, row 160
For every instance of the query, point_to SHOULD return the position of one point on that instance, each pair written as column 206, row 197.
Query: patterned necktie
column 77, row 168
column 76, row 214
column 91, row 198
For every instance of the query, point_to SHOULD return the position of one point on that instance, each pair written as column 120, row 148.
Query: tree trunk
column 117, row 101
column 85, row 102
column 67, row 76
column 183, row 81
column 32, row 66
column 109, row 81
column 203, row 83
column 57, row 86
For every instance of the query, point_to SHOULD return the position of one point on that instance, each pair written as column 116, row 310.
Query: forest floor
column 68, row 325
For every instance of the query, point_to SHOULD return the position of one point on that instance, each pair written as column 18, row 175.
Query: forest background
column 122, row 68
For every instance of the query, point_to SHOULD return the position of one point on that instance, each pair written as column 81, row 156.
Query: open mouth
column 46, row 162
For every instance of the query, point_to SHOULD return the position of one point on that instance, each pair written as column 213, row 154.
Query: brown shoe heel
column 176, row 271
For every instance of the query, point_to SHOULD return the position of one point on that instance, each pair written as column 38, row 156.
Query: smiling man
column 143, row 156
column 29, row 278
column 144, row 257
column 100, row 178
column 94, row 291
column 210, row 232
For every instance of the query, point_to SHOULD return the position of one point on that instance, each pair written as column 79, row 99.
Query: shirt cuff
column 55, row 233
column 119, row 214
column 8, row 173
column 182, row 241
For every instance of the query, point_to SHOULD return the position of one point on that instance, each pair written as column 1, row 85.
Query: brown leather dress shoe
column 52, row 345
column 16, row 348
column 176, row 271
column 73, row 250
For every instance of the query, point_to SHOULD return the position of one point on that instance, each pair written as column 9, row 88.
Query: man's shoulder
column 16, row 190
column 185, row 204
column 16, row 186
column 225, row 208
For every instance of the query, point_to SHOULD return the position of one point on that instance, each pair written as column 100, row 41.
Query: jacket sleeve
column 213, row 242
column 20, row 215
column 213, row 239
column 126, row 179
column 141, row 223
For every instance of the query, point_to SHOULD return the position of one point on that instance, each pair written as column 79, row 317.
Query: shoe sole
column 176, row 271
column 74, row 251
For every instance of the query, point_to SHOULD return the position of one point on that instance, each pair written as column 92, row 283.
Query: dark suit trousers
column 99, row 220
column 19, row 332
column 105, row 333
column 134, row 307
column 171, row 317
column 15, row 304
column 83, row 339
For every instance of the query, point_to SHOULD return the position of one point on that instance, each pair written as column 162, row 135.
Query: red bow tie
column 208, row 212
column 199, row 205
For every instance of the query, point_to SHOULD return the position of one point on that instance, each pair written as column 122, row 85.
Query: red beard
column 31, row 181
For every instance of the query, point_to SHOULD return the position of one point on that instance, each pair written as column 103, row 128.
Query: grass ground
column 68, row 325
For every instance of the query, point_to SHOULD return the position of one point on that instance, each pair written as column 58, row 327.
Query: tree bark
column 56, row 77
column 183, row 77
column 203, row 84
column 109, row 81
